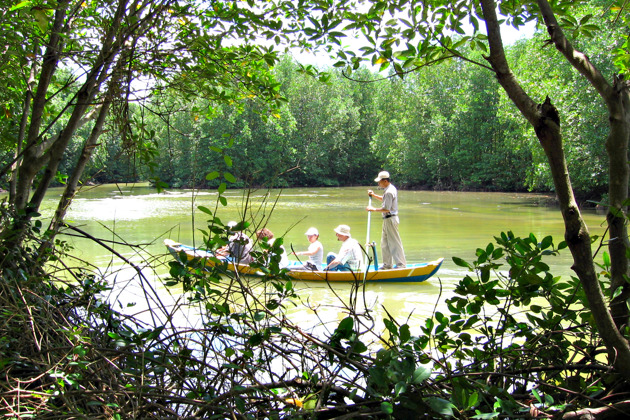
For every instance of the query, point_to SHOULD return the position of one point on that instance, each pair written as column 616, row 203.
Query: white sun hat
column 343, row 230
column 312, row 231
column 382, row 175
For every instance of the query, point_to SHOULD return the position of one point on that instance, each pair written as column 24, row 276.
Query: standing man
column 391, row 244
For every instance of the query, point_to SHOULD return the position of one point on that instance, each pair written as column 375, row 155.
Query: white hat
column 382, row 175
column 312, row 231
column 343, row 230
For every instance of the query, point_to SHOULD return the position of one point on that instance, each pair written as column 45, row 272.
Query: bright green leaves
column 527, row 270
column 622, row 56
column 580, row 27
column 41, row 15
column 460, row 262
column 503, row 313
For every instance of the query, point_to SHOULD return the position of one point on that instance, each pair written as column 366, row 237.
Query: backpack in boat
column 311, row 266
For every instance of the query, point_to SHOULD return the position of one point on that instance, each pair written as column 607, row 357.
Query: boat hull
column 413, row 273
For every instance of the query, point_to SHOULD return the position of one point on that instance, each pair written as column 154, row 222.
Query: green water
column 432, row 225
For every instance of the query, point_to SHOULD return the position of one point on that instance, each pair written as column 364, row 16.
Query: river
column 432, row 225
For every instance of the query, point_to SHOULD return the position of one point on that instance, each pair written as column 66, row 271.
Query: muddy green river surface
column 432, row 225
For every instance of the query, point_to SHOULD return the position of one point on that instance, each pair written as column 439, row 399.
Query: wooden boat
column 412, row 273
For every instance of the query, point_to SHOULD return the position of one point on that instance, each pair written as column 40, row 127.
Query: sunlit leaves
column 580, row 27
column 622, row 56
column 41, row 16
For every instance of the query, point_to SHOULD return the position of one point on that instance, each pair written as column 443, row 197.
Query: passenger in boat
column 315, row 252
column 350, row 255
column 392, row 251
column 239, row 247
column 265, row 234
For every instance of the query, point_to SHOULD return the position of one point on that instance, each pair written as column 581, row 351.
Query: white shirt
column 390, row 200
column 351, row 254
column 318, row 257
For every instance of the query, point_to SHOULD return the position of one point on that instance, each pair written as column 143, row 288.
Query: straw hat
column 343, row 230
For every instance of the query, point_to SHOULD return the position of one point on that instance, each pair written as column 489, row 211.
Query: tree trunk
column 41, row 152
column 616, row 99
column 73, row 180
column 26, row 109
column 617, row 148
column 546, row 122
column 28, row 169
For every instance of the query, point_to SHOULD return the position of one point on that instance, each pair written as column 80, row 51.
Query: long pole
column 367, row 239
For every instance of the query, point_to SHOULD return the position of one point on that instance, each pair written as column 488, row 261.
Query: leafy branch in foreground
column 513, row 345
column 519, row 340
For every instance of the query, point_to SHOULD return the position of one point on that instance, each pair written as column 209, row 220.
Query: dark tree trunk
column 546, row 122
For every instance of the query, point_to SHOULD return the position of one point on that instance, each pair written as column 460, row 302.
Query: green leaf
column 212, row 175
column 229, row 177
column 310, row 403
column 400, row 388
column 405, row 334
column 484, row 416
column 460, row 262
column 387, row 407
column 359, row 347
column 20, row 5
column 420, row 375
column 41, row 17
column 537, row 395
column 346, row 324
column 205, row 210
column 441, row 406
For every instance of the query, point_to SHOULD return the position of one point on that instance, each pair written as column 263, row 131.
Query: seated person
column 350, row 257
column 315, row 252
column 266, row 234
column 239, row 247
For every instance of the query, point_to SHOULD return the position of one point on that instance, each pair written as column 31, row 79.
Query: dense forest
column 448, row 127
